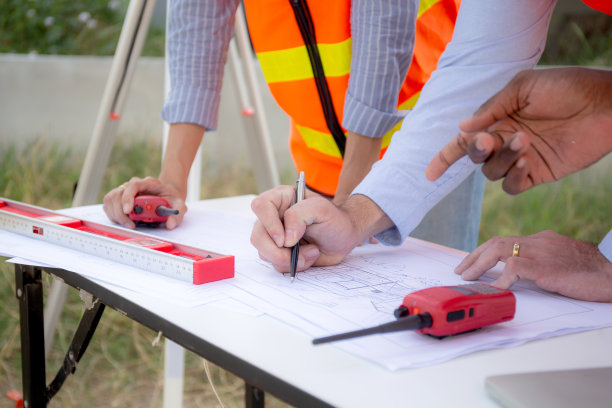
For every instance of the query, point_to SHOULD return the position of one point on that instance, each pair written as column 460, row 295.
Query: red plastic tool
column 118, row 244
column 151, row 209
column 445, row 310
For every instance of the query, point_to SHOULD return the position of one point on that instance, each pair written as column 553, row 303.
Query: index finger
column 269, row 207
column 453, row 151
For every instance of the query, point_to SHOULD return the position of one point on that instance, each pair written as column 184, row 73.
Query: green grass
column 576, row 206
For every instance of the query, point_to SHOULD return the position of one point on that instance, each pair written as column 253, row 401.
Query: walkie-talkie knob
column 162, row 211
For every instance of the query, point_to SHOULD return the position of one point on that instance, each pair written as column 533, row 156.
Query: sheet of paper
column 365, row 289
column 360, row 292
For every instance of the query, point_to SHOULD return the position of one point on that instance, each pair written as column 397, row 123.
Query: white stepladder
column 127, row 53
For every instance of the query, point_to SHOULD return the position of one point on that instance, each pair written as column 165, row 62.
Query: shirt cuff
column 406, row 211
column 189, row 104
column 605, row 246
column 366, row 120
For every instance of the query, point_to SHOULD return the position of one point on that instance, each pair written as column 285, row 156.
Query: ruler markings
column 188, row 264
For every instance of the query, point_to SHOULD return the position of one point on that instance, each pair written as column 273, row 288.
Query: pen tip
column 292, row 278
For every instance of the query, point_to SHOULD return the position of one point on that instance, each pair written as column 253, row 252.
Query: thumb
column 498, row 107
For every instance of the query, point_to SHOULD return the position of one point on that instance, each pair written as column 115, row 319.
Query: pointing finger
column 449, row 154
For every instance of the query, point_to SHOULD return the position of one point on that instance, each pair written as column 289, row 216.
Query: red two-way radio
column 444, row 310
column 150, row 209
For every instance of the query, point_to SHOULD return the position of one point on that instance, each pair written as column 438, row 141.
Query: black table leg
column 30, row 295
column 253, row 397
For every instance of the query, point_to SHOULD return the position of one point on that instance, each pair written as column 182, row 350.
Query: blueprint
column 360, row 292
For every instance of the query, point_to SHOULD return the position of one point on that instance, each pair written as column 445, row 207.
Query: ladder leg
column 260, row 145
column 174, row 367
column 128, row 50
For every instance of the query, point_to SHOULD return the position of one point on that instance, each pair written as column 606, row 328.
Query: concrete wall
column 57, row 98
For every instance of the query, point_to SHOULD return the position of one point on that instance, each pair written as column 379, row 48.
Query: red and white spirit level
column 445, row 310
column 124, row 246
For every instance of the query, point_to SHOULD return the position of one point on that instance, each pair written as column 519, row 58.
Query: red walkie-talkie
column 444, row 310
column 150, row 209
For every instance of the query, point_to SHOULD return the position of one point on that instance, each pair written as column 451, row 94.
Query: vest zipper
column 304, row 21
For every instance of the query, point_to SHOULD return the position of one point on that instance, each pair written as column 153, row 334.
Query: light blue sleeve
column 493, row 40
column 382, row 44
column 605, row 246
column 198, row 37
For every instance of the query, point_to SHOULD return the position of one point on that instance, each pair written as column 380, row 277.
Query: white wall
column 57, row 98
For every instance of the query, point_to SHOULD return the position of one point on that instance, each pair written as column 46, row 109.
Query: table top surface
column 281, row 360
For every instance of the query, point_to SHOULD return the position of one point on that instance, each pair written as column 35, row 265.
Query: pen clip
column 300, row 187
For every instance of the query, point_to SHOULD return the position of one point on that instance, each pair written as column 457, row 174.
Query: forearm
column 603, row 99
column 183, row 142
column 360, row 153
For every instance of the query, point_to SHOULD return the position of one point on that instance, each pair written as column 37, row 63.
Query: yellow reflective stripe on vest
column 293, row 64
column 324, row 143
column 426, row 5
column 320, row 141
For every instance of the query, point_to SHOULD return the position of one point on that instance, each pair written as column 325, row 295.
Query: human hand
column 544, row 125
column 325, row 232
column 554, row 262
column 119, row 202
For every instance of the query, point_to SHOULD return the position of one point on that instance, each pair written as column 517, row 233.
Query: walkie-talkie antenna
column 414, row 322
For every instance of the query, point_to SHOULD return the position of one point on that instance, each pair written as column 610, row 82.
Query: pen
column 300, row 186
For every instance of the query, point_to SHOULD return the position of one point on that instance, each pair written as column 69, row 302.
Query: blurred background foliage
column 65, row 27
column 92, row 27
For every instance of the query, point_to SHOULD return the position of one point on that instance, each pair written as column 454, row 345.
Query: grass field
column 122, row 368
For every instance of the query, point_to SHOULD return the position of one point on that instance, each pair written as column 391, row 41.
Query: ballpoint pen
column 300, row 186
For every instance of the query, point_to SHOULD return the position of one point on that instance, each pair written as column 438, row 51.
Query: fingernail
column 126, row 208
column 128, row 225
column 301, row 262
column 521, row 163
column 171, row 223
column 479, row 145
column 516, row 144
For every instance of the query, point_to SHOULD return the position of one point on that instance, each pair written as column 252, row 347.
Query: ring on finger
column 515, row 249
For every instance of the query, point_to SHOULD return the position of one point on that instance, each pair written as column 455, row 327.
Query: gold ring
column 515, row 249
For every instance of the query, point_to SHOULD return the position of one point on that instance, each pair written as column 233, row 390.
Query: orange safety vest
column 605, row 6
column 304, row 49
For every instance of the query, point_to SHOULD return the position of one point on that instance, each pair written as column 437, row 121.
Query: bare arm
column 183, row 142
column 360, row 154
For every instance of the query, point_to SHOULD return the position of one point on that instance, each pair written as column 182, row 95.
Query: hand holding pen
column 300, row 186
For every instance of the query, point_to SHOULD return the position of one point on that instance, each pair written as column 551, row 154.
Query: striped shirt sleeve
column 383, row 40
column 199, row 33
